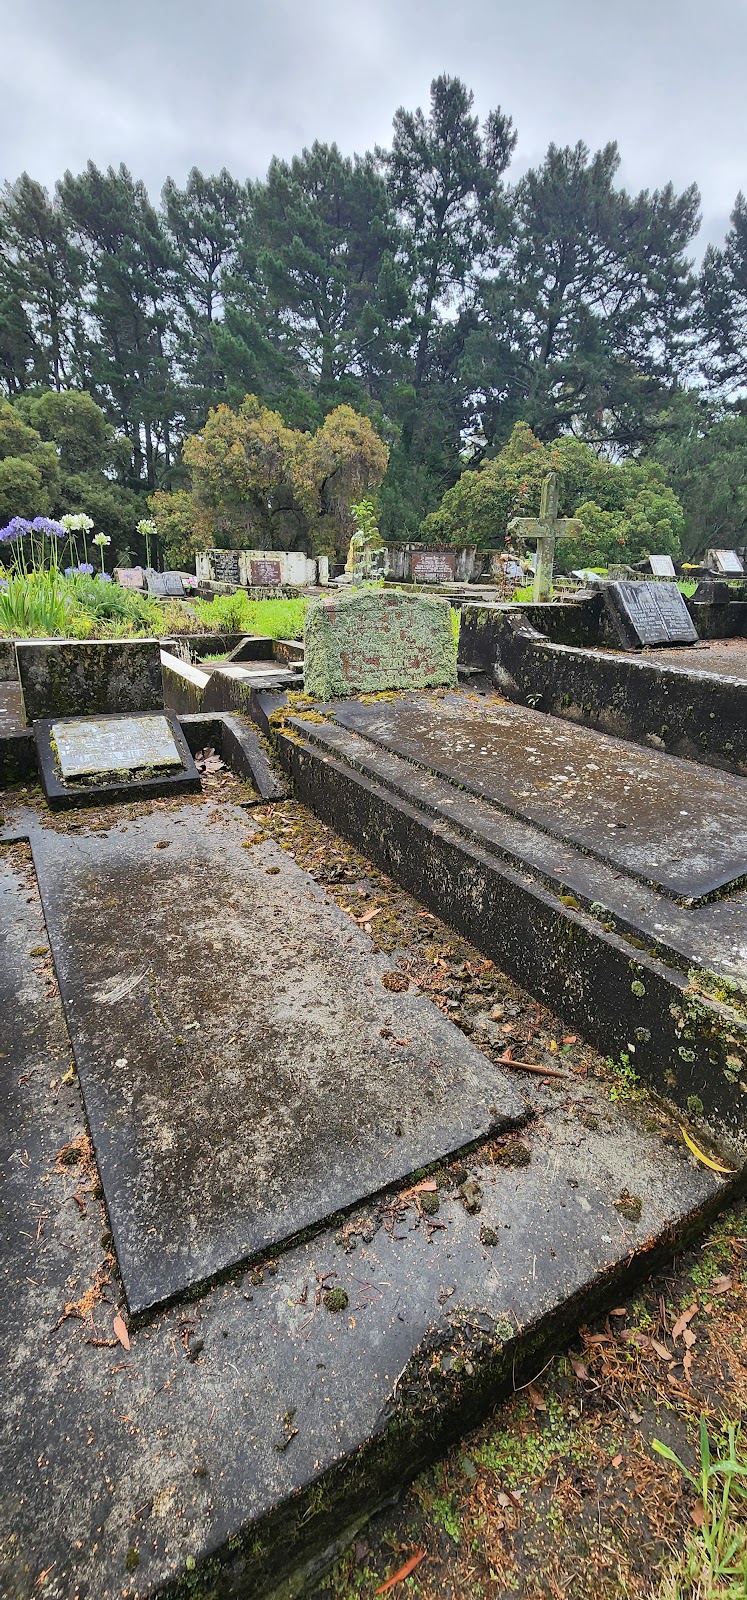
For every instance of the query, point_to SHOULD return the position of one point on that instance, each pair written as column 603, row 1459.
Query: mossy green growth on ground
column 369, row 640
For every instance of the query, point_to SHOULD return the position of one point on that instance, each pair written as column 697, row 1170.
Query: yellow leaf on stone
column 707, row 1161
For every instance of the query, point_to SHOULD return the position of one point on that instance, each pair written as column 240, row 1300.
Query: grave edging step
column 675, row 1031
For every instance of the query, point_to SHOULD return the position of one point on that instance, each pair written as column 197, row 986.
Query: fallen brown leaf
column 720, row 1285
column 537, row 1398
column 120, row 1328
column 682, row 1321
column 402, row 1572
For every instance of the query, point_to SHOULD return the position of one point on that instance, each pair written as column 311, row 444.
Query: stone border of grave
column 682, row 710
column 61, row 795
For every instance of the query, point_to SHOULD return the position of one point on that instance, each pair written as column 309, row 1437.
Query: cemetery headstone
column 433, row 566
column 94, row 759
column 726, row 562
column 265, row 572
column 173, row 585
column 648, row 614
column 662, row 566
column 156, row 583
column 372, row 641
column 85, row 677
column 130, row 577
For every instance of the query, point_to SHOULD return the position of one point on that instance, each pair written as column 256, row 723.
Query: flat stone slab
column 245, row 1069
column 376, row 640
column 89, row 745
column 678, row 826
column 175, row 1450
column 86, row 677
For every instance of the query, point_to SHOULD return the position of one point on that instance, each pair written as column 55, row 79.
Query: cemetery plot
column 116, row 757
column 681, row 828
column 246, row 1067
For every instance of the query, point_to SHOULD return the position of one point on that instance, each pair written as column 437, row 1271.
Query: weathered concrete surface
column 376, row 640
column 640, row 974
column 73, row 677
column 118, row 1467
column 723, row 658
column 685, row 709
column 227, row 1024
column 241, row 747
column 11, row 706
column 681, row 828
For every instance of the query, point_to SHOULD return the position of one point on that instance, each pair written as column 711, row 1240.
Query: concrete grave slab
column 245, row 1068
column 74, row 678
column 680, row 828
column 172, row 1457
column 371, row 641
column 88, row 759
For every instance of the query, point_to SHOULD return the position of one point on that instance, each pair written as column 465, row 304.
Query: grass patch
column 236, row 613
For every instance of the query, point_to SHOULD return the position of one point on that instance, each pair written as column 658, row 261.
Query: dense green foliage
column 416, row 285
column 626, row 507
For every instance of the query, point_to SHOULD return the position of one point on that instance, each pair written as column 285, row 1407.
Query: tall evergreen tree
column 131, row 301
column 723, row 318
column 41, row 276
column 595, row 299
column 204, row 221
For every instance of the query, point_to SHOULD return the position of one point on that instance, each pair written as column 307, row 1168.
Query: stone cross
column 545, row 528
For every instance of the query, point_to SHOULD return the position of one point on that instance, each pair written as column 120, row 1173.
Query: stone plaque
column 662, row 566
column 433, row 566
column 173, row 585
column 89, row 745
column 726, row 561
column 265, row 573
column 130, row 577
column 225, row 565
column 649, row 614
column 364, row 642
column 156, row 583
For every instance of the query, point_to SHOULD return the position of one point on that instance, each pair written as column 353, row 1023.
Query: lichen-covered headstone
column 87, row 677
column 370, row 641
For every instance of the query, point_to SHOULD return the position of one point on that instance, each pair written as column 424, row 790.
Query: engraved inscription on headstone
column 726, row 562
column 267, row 573
column 433, row 566
column 156, row 584
column 225, row 565
column 649, row 614
column 662, row 566
column 89, row 745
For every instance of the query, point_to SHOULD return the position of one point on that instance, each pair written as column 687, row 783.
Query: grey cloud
column 167, row 84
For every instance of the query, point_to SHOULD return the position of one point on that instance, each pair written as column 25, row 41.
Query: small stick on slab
column 530, row 1066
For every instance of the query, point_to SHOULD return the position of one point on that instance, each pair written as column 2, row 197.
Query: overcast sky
column 164, row 85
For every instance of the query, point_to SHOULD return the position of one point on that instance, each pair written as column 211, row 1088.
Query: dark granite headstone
column 267, row 574
column 225, row 565
column 649, row 614
column 156, row 584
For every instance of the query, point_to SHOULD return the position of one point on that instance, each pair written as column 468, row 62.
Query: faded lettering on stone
column 650, row 613
column 267, row 573
column 433, row 566
column 88, row 745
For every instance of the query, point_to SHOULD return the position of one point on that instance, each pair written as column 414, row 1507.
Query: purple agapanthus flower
column 83, row 570
column 104, row 577
column 47, row 525
column 16, row 528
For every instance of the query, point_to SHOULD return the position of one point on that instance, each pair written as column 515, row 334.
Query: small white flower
column 101, row 539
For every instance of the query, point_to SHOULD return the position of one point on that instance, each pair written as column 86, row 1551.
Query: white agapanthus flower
column 76, row 522
column 101, row 539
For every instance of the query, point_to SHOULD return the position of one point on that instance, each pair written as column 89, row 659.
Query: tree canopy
column 415, row 284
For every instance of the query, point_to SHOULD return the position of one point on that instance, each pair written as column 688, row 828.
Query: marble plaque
column 265, row 573
column 433, row 566
column 89, row 745
column 662, row 566
column 725, row 561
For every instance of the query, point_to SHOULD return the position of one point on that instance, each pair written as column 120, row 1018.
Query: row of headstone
column 261, row 569
column 163, row 585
